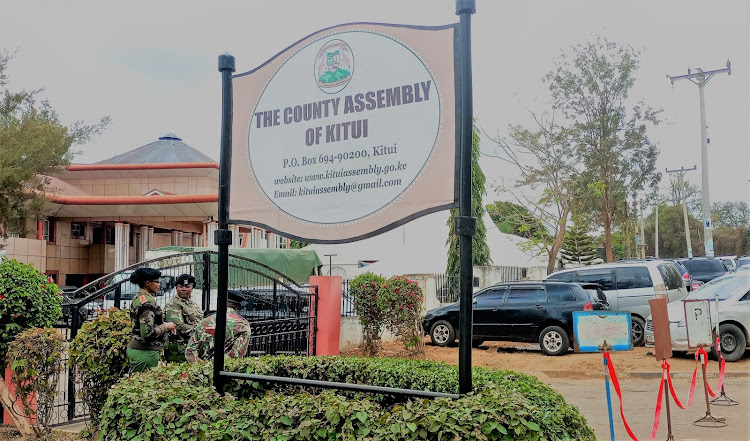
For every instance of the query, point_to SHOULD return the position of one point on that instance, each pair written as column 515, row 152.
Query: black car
column 86, row 312
column 522, row 312
column 704, row 269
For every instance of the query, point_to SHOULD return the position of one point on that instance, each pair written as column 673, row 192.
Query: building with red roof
column 103, row 217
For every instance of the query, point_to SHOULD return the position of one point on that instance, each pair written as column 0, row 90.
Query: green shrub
column 98, row 357
column 366, row 289
column 402, row 309
column 35, row 362
column 28, row 299
column 177, row 402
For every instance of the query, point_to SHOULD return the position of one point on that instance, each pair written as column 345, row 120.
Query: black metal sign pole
column 466, row 225
column 223, row 237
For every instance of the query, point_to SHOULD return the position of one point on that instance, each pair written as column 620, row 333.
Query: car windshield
column 704, row 266
column 725, row 287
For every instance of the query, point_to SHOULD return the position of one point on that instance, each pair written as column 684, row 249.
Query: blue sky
column 152, row 66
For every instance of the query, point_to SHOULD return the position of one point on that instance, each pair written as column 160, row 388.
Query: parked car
column 521, row 312
column 686, row 277
column 704, row 269
column 734, row 315
column 743, row 261
column 730, row 262
column 629, row 285
column 85, row 312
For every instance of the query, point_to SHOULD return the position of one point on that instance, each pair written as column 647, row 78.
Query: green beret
column 144, row 274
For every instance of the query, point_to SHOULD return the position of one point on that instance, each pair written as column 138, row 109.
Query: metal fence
column 282, row 313
column 447, row 288
column 347, row 301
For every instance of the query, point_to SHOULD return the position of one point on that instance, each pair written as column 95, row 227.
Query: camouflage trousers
column 175, row 353
column 141, row 360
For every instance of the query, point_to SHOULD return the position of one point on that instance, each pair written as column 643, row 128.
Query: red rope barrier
column 691, row 392
column 722, row 369
column 616, row 384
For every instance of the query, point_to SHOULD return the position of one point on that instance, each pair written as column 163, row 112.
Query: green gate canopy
column 298, row 265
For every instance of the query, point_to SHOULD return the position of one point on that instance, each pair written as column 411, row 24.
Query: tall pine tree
column 480, row 250
column 578, row 246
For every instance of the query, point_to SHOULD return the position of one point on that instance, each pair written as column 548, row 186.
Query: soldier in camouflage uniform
column 185, row 314
column 201, row 344
column 149, row 330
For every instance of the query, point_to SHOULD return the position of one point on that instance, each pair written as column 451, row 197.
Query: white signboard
column 345, row 155
column 698, row 322
column 352, row 127
column 596, row 331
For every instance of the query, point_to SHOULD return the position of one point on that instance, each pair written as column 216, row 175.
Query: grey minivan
column 629, row 285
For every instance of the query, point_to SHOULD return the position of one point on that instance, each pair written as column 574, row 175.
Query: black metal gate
column 281, row 312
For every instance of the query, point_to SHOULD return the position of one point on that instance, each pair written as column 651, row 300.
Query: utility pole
column 680, row 173
column 656, row 230
column 643, row 235
column 700, row 79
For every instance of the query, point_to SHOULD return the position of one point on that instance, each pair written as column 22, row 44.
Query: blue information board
column 596, row 331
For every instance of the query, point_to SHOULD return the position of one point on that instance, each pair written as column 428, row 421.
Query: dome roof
column 169, row 149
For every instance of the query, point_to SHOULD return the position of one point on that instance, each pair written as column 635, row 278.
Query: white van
column 629, row 285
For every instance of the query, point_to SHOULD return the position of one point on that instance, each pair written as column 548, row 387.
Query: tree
column 731, row 222
column 692, row 194
column 591, row 86
column 33, row 143
column 480, row 251
column 730, row 215
column 672, row 233
column 545, row 156
column 515, row 219
column 578, row 246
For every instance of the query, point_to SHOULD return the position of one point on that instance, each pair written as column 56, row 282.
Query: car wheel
column 637, row 331
column 442, row 333
column 554, row 341
column 733, row 342
column 476, row 343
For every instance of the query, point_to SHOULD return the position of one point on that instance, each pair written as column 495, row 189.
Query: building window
column 103, row 234
column 48, row 230
column 109, row 237
column 78, row 230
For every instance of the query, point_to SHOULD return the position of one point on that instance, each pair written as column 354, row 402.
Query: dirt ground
column 580, row 379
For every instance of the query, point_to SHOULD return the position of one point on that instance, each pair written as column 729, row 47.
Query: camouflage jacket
column 201, row 344
column 185, row 314
column 149, row 331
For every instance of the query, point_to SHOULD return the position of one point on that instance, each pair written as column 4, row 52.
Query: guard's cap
column 236, row 296
column 144, row 274
column 184, row 279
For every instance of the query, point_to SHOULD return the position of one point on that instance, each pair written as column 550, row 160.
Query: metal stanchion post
column 665, row 378
column 708, row 420
column 722, row 399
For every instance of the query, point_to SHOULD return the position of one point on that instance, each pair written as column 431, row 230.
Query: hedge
column 178, row 402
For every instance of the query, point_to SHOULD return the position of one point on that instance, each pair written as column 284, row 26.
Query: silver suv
column 629, row 285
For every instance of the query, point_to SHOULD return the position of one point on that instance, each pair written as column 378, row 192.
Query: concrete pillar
column 150, row 239
column 176, row 238
column 211, row 228
column 122, row 245
column 144, row 244
column 328, row 313
column 235, row 229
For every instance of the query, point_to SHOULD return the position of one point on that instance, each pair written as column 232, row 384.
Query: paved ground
column 580, row 379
